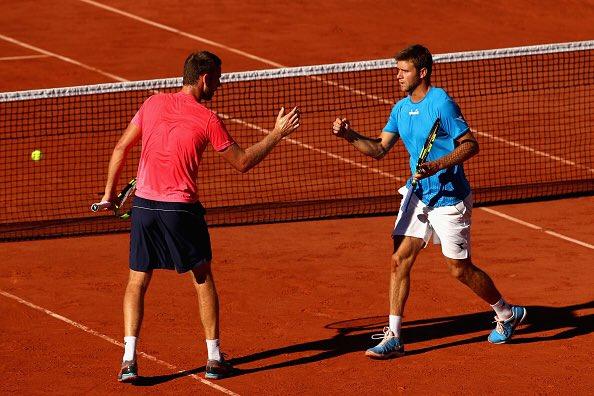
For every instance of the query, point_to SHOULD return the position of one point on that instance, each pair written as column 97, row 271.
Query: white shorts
column 449, row 225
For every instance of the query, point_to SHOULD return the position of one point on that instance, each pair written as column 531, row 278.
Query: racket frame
column 423, row 157
column 119, row 201
column 426, row 148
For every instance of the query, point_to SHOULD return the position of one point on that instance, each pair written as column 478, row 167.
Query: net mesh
column 530, row 108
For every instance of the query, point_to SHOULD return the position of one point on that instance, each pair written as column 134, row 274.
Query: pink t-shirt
column 175, row 132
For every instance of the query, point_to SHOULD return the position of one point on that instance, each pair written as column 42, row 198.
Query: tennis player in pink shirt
column 168, row 226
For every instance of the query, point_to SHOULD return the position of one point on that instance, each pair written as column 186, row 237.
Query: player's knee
column 458, row 269
column 398, row 261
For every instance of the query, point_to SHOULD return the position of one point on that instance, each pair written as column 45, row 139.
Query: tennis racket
column 122, row 204
column 423, row 155
column 426, row 149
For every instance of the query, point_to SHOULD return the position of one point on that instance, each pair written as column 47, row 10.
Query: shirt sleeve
column 217, row 134
column 452, row 120
column 138, row 117
column 392, row 124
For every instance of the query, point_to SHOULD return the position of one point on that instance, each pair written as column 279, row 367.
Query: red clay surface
column 299, row 300
column 295, row 34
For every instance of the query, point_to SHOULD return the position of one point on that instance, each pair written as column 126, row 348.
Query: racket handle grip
column 101, row 205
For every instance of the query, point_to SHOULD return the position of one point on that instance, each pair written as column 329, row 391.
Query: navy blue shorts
column 168, row 235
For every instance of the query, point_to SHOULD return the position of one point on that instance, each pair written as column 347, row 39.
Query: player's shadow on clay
column 354, row 336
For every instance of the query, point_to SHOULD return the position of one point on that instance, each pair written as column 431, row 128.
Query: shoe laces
column 384, row 336
column 499, row 327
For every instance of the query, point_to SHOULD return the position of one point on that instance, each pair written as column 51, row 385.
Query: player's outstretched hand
column 341, row 127
column 426, row 169
column 287, row 123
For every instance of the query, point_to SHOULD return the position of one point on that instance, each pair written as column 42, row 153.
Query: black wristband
column 351, row 136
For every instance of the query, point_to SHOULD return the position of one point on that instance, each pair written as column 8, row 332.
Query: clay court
column 299, row 300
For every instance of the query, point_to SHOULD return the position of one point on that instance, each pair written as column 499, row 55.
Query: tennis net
column 530, row 108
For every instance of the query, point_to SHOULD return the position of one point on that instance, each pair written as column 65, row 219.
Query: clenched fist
column 341, row 127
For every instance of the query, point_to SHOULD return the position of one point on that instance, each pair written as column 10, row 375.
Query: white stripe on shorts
column 449, row 225
column 163, row 210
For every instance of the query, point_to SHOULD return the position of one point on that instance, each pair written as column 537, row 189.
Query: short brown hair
column 419, row 56
column 199, row 63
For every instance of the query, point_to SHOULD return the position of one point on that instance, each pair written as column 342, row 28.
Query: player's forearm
column 118, row 158
column 256, row 153
column 116, row 164
column 462, row 153
column 367, row 146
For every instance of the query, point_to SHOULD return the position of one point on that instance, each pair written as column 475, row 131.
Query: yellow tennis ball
column 36, row 155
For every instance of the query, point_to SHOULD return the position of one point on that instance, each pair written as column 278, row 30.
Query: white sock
column 129, row 348
column 214, row 352
column 395, row 323
column 502, row 309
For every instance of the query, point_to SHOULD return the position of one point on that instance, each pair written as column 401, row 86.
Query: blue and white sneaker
column 505, row 328
column 389, row 347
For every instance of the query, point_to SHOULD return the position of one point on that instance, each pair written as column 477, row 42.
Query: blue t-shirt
column 412, row 122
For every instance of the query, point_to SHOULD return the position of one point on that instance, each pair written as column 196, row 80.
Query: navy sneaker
column 505, row 328
column 389, row 346
column 128, row 372
column 218, row 369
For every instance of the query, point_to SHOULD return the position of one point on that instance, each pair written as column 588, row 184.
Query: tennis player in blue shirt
column 437, row 199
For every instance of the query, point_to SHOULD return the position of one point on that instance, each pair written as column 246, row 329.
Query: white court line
column 267, row 62
column 307, row 146
column 535, row 227
column 534, row 151
column 184, row 34
column 237, row 121
column 13, row 58
column 228, row 48
column 111, row 340
column 62, row 58
column 315, row 78
column 386, row 174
